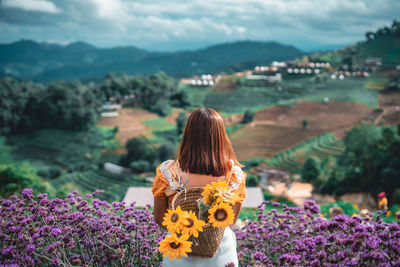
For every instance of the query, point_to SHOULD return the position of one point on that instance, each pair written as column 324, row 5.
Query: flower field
column 77, row 231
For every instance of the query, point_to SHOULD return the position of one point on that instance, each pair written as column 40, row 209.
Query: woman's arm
column 236, row 209
column 160, row 208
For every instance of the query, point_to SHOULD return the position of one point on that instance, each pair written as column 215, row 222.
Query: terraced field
column 280, row 128
column 60, row 148
column 265, row 140
column 115, row 186
column 289, row 92
column 323, row 116
column 321, row 147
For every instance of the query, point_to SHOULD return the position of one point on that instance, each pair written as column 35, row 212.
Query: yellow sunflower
column 174, row 246
column 210, row 190
column 174, row 220
column 227, row 195
column 194, row 225
column 221, row 215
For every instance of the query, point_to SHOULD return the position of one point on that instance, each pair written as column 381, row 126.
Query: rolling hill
column 44, row 62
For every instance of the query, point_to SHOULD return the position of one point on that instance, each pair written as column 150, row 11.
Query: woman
column 205, row 155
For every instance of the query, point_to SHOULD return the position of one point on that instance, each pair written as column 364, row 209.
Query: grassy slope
column 321, row 147
column 70, row 150
column 386, row 47
column 256, row 98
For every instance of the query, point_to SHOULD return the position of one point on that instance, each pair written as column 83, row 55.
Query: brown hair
column 205, row 147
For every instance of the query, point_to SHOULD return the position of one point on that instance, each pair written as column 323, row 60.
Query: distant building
column 277, row 77
column 114, row 168
column 109, row 107
column 373, row 61
column 109, row 114
column 202, row 81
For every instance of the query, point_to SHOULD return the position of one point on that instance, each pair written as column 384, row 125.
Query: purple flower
column 311, row 206
column 56, row 231
column 27, row 193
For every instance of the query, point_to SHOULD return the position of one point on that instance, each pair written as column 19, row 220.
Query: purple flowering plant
column 301, row 237
column 74, row 231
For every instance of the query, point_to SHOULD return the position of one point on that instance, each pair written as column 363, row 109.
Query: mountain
column 46, row 62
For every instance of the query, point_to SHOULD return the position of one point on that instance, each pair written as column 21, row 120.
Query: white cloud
column 180, row 22
column 32, row 5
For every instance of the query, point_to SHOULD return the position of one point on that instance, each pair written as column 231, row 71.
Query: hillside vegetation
column 48, row 62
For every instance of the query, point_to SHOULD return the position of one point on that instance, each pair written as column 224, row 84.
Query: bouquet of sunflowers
column 201, row 219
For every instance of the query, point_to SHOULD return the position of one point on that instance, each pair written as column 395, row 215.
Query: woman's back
column 199, row 180
column 205, row 155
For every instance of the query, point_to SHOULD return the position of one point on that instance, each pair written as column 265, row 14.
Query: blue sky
column 184, row 24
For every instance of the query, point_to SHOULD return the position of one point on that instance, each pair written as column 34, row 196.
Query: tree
column 248, row 116
column 166, row 151
column 180, row 123
column 13, row 179
column 310, row 170
column 252, row 181
column 305, row 123
column 138, row 148
column 370, row 36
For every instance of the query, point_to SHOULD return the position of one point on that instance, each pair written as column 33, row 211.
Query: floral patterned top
column 166, row 181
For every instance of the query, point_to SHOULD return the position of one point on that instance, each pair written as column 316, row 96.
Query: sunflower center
column 191, row 223
column 220, row 214
column 174, row 245
column 174, row 217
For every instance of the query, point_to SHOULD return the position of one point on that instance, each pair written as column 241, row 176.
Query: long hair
column 205, row 147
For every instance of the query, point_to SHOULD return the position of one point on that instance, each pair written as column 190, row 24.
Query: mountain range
column 46, row 62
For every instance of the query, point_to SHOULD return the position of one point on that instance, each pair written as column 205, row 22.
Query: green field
column 115, row 186
column 321, row 147
column 293, row 90
column 60, row 148
column 196, row 94
column 159, row 124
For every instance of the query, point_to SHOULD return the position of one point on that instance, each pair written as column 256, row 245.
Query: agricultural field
column 196, row 94
column 320, row 147
column 265, row 140
column 281, row 127
column 289, row 92
column 115, row 186
column 75, row 154
column 129, row 123
column 59, row 148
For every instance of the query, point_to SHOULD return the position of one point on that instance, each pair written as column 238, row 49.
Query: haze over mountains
column 45, row 62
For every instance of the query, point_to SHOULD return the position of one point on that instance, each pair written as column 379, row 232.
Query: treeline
column 370, row 163
column 393, row 30
column 27, row 106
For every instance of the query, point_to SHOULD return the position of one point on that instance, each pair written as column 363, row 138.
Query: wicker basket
column 209, row 240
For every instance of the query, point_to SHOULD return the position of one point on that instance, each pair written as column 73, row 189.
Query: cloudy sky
column 185, row 24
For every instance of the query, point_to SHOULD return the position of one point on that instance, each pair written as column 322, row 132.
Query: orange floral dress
column 166, row 181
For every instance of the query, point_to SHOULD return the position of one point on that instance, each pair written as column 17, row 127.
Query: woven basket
column 209, row 240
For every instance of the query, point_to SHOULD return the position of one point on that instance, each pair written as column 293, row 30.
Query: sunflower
column 227, row 195
column 221, row 215
column 174, row 220
column 210, row 190
column 174, row 246
column 194, row 225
